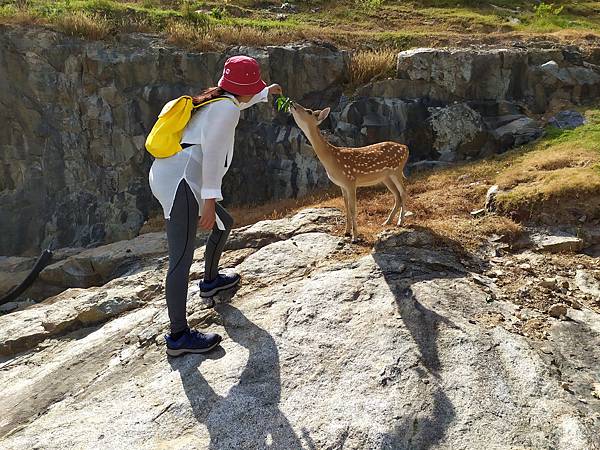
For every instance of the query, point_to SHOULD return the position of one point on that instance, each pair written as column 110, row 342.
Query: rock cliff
column 73, row 168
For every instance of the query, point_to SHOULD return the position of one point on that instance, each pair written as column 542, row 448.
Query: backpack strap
column 216, row 99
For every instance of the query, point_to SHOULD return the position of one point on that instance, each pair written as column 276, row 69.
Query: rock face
column 323, row 348
column 76, row 114
column 74, row 172
column 540, row 77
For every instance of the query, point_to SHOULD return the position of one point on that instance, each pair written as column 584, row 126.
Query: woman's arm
column 262, row 96
column 216, row 141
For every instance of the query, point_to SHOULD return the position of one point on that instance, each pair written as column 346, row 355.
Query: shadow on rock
column 423, row 325
column 422, row 433
column 248, row 416
column 407, row 258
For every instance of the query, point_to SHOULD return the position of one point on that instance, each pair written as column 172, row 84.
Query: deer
column 350, row 168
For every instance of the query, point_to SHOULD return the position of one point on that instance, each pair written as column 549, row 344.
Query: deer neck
column 323, row 149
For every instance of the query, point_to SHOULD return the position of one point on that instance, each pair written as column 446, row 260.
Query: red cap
column 241, row 76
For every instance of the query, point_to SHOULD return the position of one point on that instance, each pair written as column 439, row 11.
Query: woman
column 188, row 185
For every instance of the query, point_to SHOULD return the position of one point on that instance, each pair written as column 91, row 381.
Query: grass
column 356, row 24
column 91, row 25
column 556, row 175
column 370, row 65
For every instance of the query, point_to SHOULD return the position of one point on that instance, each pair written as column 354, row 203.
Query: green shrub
column 369, row 5
column 218, row 12
column 191, row 16
column 547, row 10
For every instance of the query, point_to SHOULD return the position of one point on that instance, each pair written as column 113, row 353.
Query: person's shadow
column 248, row 416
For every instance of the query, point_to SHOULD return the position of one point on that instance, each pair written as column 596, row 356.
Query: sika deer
column 350, row 168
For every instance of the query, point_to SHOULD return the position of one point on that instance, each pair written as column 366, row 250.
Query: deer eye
column 310, row 111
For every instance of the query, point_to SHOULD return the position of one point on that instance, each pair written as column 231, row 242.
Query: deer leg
column 399, row 182
column 348, row 219
column 397, row 200
column 352, row 204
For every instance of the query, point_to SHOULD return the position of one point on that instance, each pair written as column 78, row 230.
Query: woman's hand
column 208, row 217
column 275, row 89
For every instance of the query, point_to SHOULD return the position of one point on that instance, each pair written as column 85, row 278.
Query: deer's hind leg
column 398, row 180
column 397, row 200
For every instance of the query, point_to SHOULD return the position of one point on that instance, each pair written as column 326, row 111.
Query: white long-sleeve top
column 211, row 130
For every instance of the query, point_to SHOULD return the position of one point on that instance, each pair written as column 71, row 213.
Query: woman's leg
column 181, row 237
column 216, row 243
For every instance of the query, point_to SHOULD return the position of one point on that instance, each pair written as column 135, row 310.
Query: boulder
column 12, row 271
column 268, row 231
column 538, row 77
column 517, row 132
column 567, row 120
column 458, row 132
column 557, row 242
column 72, row 309
column 490, row 198
column 96, row 266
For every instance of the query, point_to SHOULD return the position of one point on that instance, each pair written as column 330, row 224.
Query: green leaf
column 283, row 103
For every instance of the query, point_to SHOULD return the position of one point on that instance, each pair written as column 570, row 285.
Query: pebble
column 549, row 283
column 525, row 266
column 558, row 310
column 575, row 304
column 566, row 387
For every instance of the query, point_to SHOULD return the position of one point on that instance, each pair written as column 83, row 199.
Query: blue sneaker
column 221, row 283
column 192, row 342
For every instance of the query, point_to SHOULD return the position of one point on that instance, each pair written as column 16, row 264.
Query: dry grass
column 22, row 17
column 441, row 203
column 88, row 25
column 219, row 37
column 188, row 36
column 370, row 65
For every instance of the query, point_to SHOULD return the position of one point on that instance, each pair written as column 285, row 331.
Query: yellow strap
column 210, row 101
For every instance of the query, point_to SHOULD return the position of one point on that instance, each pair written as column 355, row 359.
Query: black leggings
column 181, row 237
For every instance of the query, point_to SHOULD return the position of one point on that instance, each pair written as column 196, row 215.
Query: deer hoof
column 347, row 234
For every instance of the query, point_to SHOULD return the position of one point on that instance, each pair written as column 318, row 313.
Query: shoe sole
column 183, row 351
column 219, row 289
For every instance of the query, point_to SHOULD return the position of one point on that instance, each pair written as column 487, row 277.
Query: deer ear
column 323, row 114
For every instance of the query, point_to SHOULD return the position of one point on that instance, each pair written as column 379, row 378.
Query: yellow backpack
column 165, row 137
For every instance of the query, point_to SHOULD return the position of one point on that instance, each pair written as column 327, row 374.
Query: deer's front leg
column 348, row 218
column 352, row 208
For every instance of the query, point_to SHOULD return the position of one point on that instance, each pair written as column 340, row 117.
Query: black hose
column 39, row 265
